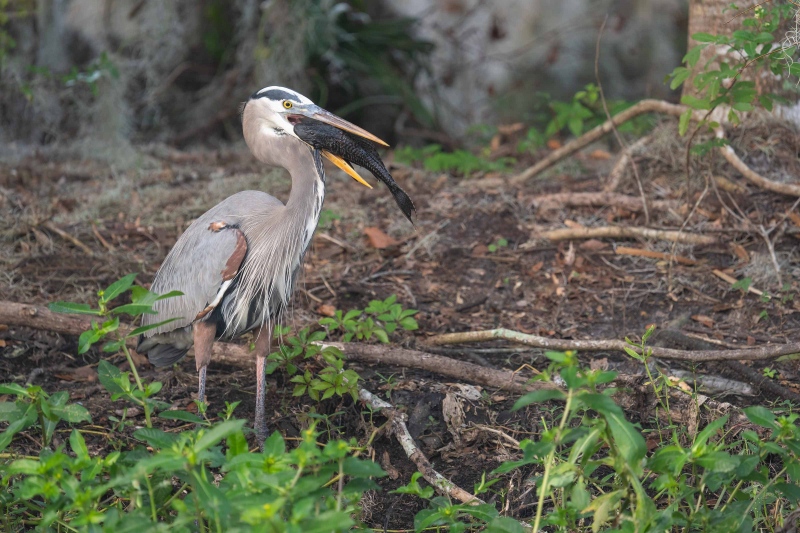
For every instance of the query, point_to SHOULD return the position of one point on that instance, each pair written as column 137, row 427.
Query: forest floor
column 476, row 259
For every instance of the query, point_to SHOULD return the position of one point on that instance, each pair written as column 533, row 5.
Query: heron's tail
column 166, row 349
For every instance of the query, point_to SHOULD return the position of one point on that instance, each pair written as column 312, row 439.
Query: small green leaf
column 701, row 37
column 72, row 413
column 409, row 324
column 218, row 433
column 78, row 444
column 69, row 307
column 118, row 287
column 155, row 437
column 134, row 309
column 15, row 389
column 9, row 412
column 360, row 468
column 141, row 329
column 538, row 397
column 87, row 339
column 109, row 376
column 760, row 416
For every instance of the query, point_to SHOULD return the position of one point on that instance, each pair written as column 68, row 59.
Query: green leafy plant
column 380, row 319
column 457, row 517
column 583, row 112
column 142, row 301
column 717, row 82
column 221, row 485
column 496, row 245
column 435, row 159
column 33, row 405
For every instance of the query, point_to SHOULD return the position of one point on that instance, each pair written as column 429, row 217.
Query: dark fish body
column 355, row 150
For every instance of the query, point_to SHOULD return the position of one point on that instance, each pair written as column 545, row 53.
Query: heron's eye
column 287, row 104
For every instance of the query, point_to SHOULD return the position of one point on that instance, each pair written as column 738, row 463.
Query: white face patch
column 277, row 93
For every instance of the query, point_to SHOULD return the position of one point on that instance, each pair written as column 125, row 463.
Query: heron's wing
column 204, row 261
column 202, row 265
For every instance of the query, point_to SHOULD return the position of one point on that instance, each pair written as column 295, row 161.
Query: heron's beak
column 344, row 165
column 329, row 118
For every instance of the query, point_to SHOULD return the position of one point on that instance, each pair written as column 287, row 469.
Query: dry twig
column 749, row 354
column 624, row 250
column 599, row 199
column 67, row 237
column 400, row 430
column 626, row 232
column 730, row 279
column 625, row 157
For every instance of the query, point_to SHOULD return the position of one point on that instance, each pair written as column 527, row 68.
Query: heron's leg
column 204, row 333
column 263, row 342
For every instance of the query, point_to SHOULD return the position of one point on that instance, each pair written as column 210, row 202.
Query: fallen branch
column 599, row 199
column 651, row 106
column 400, row 430
column 16, row 314
column 752, row 176
column 750, row 354
column 626, row 232
column 645, row 106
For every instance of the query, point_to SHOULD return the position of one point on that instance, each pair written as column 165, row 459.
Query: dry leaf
column 480, row 250
column 740, row 252
column 84, row 374
column 572, row 224
column 554, row 144
column 326, row 310
column 707, row 321
column 378, row 239
column 593, row 245
column 600, row 154
column 387, row 466
column 3, row 343
column 536, row 268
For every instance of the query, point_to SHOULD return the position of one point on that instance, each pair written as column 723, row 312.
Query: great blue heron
column 237, row 263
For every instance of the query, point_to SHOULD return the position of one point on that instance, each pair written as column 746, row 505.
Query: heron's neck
column 308, row 193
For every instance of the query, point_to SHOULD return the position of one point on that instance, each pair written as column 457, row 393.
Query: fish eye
column 287, row 104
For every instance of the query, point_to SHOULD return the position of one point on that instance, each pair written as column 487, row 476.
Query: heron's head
column 276, row 115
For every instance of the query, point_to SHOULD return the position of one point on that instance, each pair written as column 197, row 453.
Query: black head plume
column 353, row 149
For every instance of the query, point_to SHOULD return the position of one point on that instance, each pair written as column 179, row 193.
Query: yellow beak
column 344, row 165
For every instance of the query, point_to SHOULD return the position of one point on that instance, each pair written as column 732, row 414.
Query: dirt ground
column 450, row 266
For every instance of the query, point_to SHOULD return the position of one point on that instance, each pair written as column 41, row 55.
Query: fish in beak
column 344, row 143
